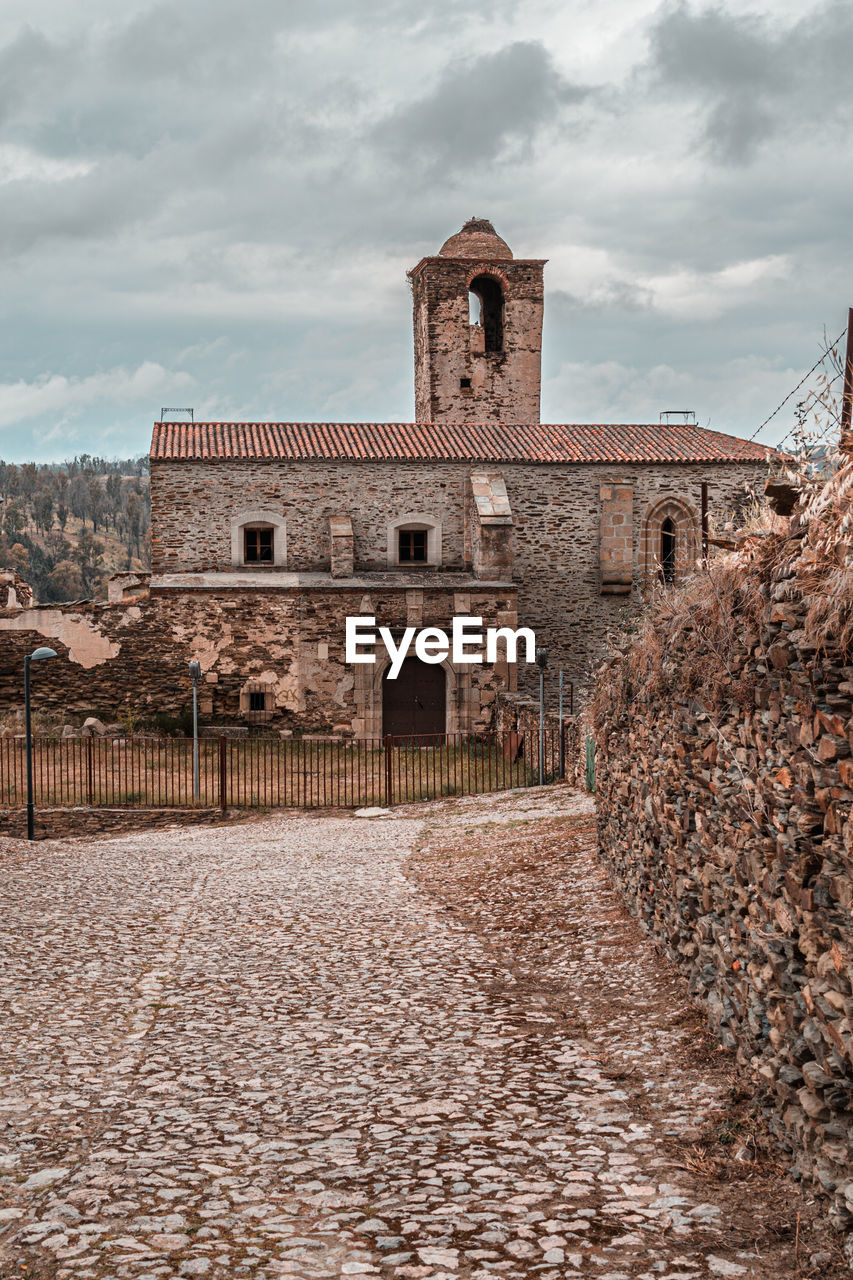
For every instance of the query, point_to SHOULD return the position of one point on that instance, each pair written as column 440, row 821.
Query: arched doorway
column 415, row 704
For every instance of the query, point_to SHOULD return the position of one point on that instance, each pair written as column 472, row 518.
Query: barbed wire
column 813, row 396
column 805, row 378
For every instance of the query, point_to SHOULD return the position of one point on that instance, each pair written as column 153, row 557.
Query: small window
column 258, row 546
column 413, row 546
column 465, row 384
column 257, row 702
column 667, row 550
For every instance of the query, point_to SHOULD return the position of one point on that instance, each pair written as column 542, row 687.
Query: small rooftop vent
column 686, row 417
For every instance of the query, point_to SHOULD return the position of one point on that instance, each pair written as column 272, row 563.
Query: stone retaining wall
column 725, row 821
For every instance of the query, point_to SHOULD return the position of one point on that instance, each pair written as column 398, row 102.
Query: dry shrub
column 697, row 637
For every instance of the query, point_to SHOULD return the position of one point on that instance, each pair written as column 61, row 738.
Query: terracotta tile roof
column 463, row 442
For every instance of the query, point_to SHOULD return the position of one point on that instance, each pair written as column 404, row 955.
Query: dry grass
column 697, row 635
column 264, row 773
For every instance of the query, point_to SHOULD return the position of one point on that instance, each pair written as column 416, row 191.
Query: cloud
column 478, row 107
column 55, row 395
column 234, row 192
column 753, row 76
column 744, row 389
column 22, row 164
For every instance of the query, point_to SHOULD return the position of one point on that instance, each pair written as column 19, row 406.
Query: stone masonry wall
column 556, row 514
column 725, row 819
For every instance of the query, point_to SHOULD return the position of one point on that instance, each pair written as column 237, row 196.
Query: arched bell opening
column 488, row 292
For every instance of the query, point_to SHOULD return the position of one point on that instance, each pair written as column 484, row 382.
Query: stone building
column 266, row 536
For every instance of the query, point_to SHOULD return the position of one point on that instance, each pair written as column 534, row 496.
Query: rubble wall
column 518, row 714
column 724, row 732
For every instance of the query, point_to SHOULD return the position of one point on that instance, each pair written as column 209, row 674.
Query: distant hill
column 67, row 526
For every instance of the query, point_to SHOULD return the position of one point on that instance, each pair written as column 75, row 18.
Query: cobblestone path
column 275, row 1049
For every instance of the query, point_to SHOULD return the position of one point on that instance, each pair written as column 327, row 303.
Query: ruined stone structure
column 265, row 536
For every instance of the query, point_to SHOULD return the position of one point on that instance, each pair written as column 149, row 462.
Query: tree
column 96, row 503
column 112, row 488
column 20, row 558
column 79, row 497
column 89, row 554
column 65, row 581
column 29, row 479
column 134, row 511
column 62, row 516
column 14, row 520
column 43, row 510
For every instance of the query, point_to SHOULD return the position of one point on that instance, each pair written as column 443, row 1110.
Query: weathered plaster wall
column 556, row 512
column 135, row 655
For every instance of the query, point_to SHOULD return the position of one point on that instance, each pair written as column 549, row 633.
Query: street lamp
column 31, row 657
column 195, row 672
column 541, row 662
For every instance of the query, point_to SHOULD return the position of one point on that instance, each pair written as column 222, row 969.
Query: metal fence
column 272, row 772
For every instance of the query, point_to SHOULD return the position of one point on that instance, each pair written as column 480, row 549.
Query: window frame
column 258, row 530
column 414, row 522
column 413, row 534
column 686, row 534
column 258, row 518
column 668, row 550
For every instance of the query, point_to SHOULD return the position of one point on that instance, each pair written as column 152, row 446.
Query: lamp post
column 541, row 662
column 31, row 657
column 195, row 672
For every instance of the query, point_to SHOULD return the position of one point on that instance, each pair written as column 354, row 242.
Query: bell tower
column 478, row 330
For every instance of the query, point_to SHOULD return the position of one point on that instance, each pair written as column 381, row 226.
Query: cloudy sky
column 214, row 203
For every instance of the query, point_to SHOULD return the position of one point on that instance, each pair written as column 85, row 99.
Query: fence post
column 590, row 764
column 223, row 777
column 389, row 772
column 90, row 771
column 562, row 733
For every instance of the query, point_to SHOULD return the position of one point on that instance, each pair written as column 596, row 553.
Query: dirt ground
column 535, row 894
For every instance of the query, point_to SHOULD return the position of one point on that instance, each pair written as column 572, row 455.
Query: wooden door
column 415, row 704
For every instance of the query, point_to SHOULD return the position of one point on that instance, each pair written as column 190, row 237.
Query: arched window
column 258, row 538
column 491, row 315
column 667, row 549
column 670, row 541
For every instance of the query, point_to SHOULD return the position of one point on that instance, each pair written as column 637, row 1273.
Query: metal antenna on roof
column 687, row 416
column 163, row 413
